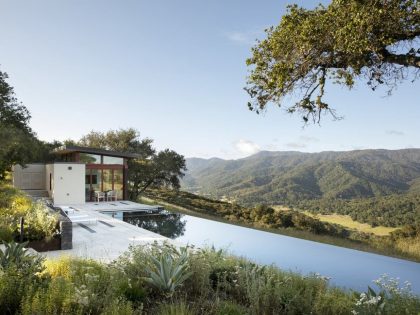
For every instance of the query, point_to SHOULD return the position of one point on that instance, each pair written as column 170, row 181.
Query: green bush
column 19, row 271
column 230, row 308
column 218, row 284
column 39, row 222
column 120, row 307
column 59, row 297
column 175, row 309
column 391, row 299
column 96, row 284
column 334, row 302
column 163, row 267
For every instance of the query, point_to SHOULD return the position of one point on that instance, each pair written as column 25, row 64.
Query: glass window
column 96, row 180
column 113, row 160
column 90, row 158
column 118, row 183
column 107, row 178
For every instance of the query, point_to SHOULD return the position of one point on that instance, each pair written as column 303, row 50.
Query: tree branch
column 405, row 60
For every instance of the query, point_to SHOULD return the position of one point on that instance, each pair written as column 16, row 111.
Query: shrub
column 175, row 309
column 40, row 222
column 59, row 267
column 95, row 285
column 213, row 274
column 391, row 299
column 120, row 307
column 133, row 291
column 18, row 272
column 13, row 201
column 230, row 308
column 57, row 298
column 333, row 302
column 162, row 266
column 12, row 288
column 6, row 231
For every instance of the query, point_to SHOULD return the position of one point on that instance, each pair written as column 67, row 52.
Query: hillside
column 290, row 177
column 402, row 242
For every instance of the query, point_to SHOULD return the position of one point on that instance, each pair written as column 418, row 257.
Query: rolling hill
column 287, row 177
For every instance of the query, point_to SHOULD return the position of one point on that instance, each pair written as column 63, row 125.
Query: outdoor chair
column 111, row 195
column 99, row 195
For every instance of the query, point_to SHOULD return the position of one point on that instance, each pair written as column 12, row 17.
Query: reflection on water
column 347, row 267
column 166, row 224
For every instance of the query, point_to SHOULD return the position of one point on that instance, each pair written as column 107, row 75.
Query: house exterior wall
column 68, row 183
column 30, row 177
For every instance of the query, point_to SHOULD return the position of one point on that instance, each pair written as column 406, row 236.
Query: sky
column 175, row 70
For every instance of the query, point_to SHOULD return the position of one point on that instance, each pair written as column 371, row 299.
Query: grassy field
column 348, row 222
column 345, row 221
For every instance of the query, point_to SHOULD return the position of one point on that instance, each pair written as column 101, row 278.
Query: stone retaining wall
column 66, row 230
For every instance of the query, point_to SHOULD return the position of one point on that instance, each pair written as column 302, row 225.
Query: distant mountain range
column 282, row 177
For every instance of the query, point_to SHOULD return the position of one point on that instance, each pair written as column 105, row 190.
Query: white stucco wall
column 30, row 177
column 68, row 183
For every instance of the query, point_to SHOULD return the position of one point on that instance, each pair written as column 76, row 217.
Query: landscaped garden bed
column 40, row 228
column 160, row 279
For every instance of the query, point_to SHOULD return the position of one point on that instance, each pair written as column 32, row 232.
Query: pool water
column 346, row 267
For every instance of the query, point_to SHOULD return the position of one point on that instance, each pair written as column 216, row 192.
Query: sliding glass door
column 103, row 179
column 118, row 183
column 93, row 183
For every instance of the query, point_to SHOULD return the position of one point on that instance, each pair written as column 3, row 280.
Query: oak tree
column 150, row 168
column 18, row 144
column 376, row 41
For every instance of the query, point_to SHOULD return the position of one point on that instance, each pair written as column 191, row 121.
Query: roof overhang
column 74, row 149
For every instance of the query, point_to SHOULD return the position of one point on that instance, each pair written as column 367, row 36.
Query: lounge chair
column 77, row 217
column 85, row 219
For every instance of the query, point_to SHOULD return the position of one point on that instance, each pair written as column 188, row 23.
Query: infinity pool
column 347, row 268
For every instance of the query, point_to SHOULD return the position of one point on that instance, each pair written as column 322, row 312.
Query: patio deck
column 108, row 238
column 113, row 206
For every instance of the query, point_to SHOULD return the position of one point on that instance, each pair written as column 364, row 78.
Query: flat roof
column 74, row 148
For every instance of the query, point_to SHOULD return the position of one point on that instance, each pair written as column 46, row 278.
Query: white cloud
column 247, row 147
column 271, row 147
column 308, row 139
column 395, row 132
column 296, row 145
column 302, row 142
column 247, row 38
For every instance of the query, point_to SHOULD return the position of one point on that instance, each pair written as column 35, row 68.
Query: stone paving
column 104, row 238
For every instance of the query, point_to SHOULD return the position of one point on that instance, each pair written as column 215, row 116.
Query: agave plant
column 17, row 255
column 13, row 253
column 168, row 270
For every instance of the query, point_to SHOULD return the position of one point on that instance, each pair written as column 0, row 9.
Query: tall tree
column 12, row 113
column 162, row 169
column 122, row 140
column 373, row 40
column 150, row 169
column 18, row 142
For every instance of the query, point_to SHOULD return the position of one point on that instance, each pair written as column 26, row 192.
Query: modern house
column 79, row 174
